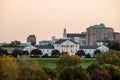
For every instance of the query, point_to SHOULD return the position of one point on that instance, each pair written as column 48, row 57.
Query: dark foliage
column 113, row 45
column 74, row 73
column 16, row 53
column 3, row 51
column 97, row 52
column 88, row 56
column 55, row 53
column 80, row 53
column 98, row 74
column 36, row 52
column 25, row 53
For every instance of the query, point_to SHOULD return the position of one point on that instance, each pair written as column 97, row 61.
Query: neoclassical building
column 70, row 43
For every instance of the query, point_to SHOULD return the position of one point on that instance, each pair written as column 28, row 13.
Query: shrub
column 67, row 60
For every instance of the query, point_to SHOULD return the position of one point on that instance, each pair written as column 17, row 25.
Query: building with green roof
column 99, row 33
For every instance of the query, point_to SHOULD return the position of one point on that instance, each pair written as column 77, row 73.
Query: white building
column 66, row 45
column 70, row 43
column 92, row 49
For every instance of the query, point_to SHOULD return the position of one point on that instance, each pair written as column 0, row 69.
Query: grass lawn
column 51, row 62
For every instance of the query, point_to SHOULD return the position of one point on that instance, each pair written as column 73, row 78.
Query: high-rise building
column 98, row 33
column 32, row 39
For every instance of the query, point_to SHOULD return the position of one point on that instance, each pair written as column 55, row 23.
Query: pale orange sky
column 46, row 18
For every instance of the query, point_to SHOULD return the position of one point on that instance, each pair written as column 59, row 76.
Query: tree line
column 106, row 66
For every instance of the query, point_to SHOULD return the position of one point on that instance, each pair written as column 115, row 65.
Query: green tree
column 31, row 70
column 97, row 52
column 74, row 73
column 113, row 45
column 88, row 56
column 80, row 53
column 67, row 60
column 56, row 53
column 50, row 73
column 25, row 53
column 113, row 70
column 15, row 44
column 36, row 52
column 110, row 57
column 3, row 51
column 16, row 52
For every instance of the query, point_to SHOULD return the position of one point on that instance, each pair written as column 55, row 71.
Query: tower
column 65, row 33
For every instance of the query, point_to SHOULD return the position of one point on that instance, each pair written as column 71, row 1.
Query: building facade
column 99, row 33
column 79, row 38
column 31, row 39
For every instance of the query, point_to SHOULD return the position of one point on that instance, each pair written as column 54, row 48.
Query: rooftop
column 89, row 47
column 100, row 26
column 69, row 35
column 63, row 40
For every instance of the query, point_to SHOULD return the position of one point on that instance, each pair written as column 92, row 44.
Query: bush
column 8, row 68
column 92, row 67
column 98, row 74
column 110, row 57
column 67, row 60
column 31, row 71
column 74, row 73
column 88, row 56
column 50, row 73
column 113, row 70
column 45, row 56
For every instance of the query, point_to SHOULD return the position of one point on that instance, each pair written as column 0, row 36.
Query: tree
column 92, row 67
column 36, row 52
column 16, row 52
column 97, row 52
column 74, row 73
column 9, row 69
column 113, row 45
column 80, row 53
column 64, row 53
column 56, row 53
column 67, row 60
column 110, row 57
column 15, row 44
column 3, row 51
column 88, row 56
column 25, row 53
column 50, row 73
column 45, row 56
column 98, row 74
column 31, row 71
column 113, row 70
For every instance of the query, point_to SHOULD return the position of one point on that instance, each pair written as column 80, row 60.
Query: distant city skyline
column 47, row 18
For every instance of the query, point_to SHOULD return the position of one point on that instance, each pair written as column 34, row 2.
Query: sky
column 47, row 18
